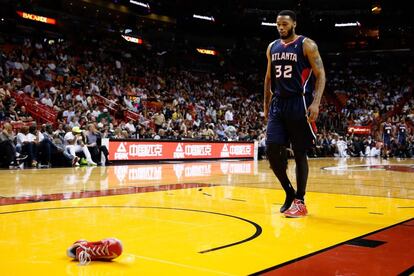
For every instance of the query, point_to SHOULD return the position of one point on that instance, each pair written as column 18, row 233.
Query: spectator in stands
column 104, row 115
column 262, row 146
column 30, row 144
column 23, row 115
column 47, row 100
column 130, row 126
column 229, row 116
column 2, row 112
column 80, row 98
column 231, row 133
column 357, row 147
column 208, row 132
column 59, row 145
column 94, row 144
column 47, row 148
column 11, row 112
column 342, row 147
column 74, row 143
column 8, row 155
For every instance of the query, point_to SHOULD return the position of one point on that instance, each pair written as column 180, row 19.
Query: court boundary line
column 407, row 272
column 275, row 267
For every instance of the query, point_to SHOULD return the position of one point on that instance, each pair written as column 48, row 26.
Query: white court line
column 181, row 265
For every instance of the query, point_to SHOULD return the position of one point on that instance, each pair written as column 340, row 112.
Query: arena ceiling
column 224, row 10
column 243, row 18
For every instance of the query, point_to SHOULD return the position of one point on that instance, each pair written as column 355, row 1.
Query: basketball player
column 293, row 88
column 386, row 136
column 402, row 138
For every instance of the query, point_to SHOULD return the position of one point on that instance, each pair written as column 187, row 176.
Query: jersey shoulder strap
column 274, row 42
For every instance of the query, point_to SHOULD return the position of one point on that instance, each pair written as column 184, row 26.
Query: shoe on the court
column 83, row 162
column 296, row 210
column 288, row 202
column 21, row 157
column 103, row 250
column 91, row 163
column 75, row 162
column 16, row 166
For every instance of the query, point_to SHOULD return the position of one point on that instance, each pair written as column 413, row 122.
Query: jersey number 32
column 285, row 70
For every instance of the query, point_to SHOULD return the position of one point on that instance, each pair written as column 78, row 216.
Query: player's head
column 286, row 23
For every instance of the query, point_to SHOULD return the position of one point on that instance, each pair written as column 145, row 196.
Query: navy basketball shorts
column 288, row 123
column 387, row 140
column 402, row 140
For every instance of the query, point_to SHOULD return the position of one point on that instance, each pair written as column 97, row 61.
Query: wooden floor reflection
column 368, row 177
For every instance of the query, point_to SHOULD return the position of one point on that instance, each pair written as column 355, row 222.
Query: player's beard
column 289, row 34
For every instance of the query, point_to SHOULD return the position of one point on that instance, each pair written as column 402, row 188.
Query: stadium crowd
column 91, row 89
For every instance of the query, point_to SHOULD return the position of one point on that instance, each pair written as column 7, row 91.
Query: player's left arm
column 312, row 53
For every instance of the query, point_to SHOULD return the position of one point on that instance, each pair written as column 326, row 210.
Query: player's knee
column 299, row 154
column 277, row 156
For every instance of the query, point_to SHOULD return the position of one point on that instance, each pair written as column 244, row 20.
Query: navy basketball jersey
column 402, row 130
column 387, row 130
column 291, row 71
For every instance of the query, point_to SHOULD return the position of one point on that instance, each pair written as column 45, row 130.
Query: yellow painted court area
column 234, row 228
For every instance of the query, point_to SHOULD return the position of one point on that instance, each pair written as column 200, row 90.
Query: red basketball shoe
column 296, row 210
column 102, row 250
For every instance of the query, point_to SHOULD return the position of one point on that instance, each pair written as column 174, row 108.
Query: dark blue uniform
column 292, row 85
column 402, row 132
column 387, row 131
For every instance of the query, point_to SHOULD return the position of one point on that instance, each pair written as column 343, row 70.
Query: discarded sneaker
column 103, row 250
column 75, row 161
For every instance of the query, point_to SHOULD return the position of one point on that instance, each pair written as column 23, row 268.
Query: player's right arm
column 267, row 84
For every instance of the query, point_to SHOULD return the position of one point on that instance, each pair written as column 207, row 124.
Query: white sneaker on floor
column 75, row 161
column 91, row 163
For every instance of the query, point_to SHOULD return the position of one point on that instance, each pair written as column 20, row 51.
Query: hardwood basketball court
column 210, row 218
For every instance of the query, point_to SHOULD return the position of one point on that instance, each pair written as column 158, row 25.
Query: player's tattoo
column 318, row 62
column 315, row 53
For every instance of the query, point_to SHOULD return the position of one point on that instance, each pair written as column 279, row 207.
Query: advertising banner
column 37, row 18
column 359, row 129
column 165, row 150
